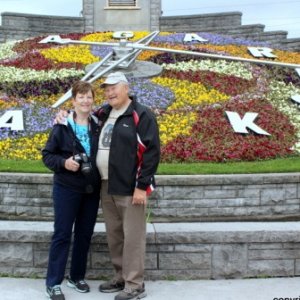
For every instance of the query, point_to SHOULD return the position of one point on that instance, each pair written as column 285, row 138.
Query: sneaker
column 111, row 286
column 55, row 293
column 129, row 293
column 79, row 285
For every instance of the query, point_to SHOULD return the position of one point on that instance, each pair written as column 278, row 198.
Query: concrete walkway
column 236, row 289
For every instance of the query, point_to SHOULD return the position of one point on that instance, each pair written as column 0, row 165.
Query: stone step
column 181, row 198
column 174, row 250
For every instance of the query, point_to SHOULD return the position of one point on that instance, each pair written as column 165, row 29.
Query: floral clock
column 192, row 97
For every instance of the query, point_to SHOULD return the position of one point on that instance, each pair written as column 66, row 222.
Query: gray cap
column 114, row 78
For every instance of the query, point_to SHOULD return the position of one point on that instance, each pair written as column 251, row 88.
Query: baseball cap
column 114, row 78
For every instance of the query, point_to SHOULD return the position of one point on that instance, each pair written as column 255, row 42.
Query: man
column 128, row 156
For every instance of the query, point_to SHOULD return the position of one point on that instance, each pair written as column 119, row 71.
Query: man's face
column 117, row 95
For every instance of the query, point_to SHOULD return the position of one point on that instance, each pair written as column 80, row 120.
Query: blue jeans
column 71, row 208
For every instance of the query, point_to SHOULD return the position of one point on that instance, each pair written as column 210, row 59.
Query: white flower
column 12, row 74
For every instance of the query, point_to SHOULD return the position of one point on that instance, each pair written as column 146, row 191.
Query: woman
column 71, row 153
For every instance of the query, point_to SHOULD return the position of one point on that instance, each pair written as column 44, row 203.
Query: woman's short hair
column 82, row 87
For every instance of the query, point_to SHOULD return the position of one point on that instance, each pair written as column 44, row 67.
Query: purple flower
column 36, row 119
column 150, row 94
column 216, row 39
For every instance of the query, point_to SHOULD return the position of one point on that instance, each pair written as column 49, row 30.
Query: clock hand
column 141, row 47
column 134, row 54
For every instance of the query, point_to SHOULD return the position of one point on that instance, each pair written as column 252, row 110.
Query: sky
column 275, row 14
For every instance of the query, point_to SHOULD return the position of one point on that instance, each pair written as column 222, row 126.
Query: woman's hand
column 71, row 164
column 61, row 117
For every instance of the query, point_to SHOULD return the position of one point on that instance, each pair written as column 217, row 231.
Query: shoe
column 55, row 293
column 129, row 293
column 79, row 285
column 111, row 286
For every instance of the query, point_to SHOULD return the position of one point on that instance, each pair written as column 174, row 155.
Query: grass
column 279, row 165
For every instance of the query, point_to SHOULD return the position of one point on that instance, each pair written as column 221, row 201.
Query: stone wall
column 263, row 197
column 17, row 26
column 203, row 22
column 174, row 251
column 228, row 24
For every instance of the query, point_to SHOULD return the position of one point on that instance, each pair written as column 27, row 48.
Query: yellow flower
column 73, row 53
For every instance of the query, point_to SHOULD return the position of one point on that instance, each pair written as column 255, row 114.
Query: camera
column 85, row 164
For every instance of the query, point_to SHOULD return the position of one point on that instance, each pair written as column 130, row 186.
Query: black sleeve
column 149, row 134
column 52, row 154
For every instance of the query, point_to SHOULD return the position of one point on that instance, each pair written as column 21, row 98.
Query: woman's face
column 83, row 103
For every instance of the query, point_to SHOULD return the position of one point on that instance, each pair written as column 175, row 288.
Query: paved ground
column 237, row 289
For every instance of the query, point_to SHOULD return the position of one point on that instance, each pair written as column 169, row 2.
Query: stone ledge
column 174, row 180
column 180, row 250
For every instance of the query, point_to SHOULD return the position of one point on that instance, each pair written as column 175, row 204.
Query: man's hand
column 71, row 164
column 61, row 117
column 139, row 197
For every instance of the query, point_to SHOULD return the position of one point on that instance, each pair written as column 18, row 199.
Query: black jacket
column 62, row 143
column 123, row 172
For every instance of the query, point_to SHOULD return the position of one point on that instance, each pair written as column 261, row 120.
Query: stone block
column 151, row 261
column 9, row 200
column 292, row 201
column 271, row 268
column 100, row 260
column 272, row 195
column 47, row 212
column 248, row 192
column 16, row 254
column 6, row 271
column 259, row 246
column 170, row 203
column 10, row 191
column 183, row 261
column 297, row 267
column 238, row 202
column 41, row 259
column 274, row 254
column 159, row 248
column 229, row 261
column 291, row 245
column 219, row 194
column 194, row 248
column 99, row 247
column 29, row 272
column 183, row 192
column 285, row 209
column 41, row 247
column 7, row 209
column 27, row 192
column 291, row 191
column 28, row 211
column 199, row 203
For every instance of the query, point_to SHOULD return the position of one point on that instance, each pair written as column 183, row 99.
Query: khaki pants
column 126, row 235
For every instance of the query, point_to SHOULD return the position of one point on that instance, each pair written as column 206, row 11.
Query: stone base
column 138, row 69
column 174, row 250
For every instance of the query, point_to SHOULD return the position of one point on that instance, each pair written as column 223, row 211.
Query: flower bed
column 190, row 97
